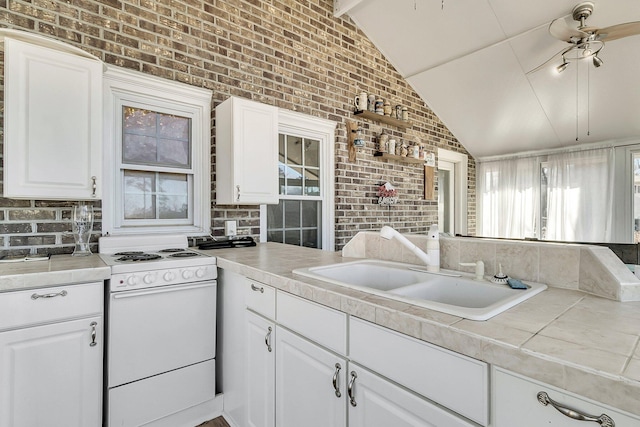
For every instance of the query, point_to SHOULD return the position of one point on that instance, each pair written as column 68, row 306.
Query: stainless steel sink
column 448, row 292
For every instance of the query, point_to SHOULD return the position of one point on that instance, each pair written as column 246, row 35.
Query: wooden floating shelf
column 383, row 119
column 398, row 158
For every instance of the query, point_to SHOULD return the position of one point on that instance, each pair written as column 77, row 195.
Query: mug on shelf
column 360, row 101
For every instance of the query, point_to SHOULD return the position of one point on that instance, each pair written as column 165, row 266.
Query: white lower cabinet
column 517, row 402
column 51, row 375
column 309, row 384
column 51, row 347
column 260, row 370
column 376, row 402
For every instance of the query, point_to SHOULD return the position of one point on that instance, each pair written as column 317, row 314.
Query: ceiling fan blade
column 619, row 31
column 562, row 31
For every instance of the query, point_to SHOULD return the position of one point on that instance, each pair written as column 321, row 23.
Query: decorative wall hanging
column 387, row 194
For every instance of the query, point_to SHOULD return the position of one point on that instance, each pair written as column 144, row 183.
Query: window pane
column 294, row 181
column 310, row 238
column 150, row 137
column 310, row 215
column 281, row 153
column 275, row 236
column 311, row 182
column 274, row 216
column 139, row 197
column 292, row 237
column 139, row 148
column 172, row 152
column 312, row 152
column 294, row 150
column 173, row 201
column 291, row 213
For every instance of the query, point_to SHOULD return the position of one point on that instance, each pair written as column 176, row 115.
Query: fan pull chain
column 588, row 101
column 577, row 96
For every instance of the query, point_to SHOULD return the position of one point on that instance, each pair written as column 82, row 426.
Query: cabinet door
column 53, row 131
column 305, row 393
column 246, row 152
column 52, row 375
column 260, row 370
column 376, row 402
column 515, row 402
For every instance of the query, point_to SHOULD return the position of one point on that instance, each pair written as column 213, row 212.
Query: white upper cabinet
column 246, row 153
column 53, row 123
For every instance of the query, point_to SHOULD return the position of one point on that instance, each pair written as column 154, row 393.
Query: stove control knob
column 187, row 274
column 200, row 272
column 148, row 279
column 169, row 276
column 133, row 280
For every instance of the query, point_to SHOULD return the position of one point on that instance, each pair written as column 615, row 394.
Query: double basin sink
column 448, row 291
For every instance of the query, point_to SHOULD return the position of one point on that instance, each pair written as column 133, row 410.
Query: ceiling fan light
column 597, row 61
column 560, row 68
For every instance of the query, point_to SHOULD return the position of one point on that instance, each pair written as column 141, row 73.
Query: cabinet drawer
column 451, row 379
column 261, row 298
column 515, row 402
column 316, row 322
column 44, row 305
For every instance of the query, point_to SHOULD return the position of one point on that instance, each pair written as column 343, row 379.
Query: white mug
column 360, row 101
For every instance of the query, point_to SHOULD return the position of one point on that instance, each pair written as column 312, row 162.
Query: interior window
column 157, row 155
column 297, row 218
column 304, row 215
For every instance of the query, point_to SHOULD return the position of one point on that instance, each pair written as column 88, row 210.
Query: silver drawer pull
column 94, row 332
column 350, row 389
column 267, row 339
column 59, row 294
column 94, row 186
column 604, row 420
column 257, row 289
column 336, row 387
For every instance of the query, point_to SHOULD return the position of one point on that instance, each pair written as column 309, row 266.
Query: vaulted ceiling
column 470, row 60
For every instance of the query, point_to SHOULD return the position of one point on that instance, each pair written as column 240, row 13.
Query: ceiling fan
column 585, row 42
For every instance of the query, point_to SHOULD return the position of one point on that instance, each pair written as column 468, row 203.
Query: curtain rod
column 582, row 147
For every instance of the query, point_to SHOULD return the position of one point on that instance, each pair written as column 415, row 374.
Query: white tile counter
column 58, row 270
column 578, row 342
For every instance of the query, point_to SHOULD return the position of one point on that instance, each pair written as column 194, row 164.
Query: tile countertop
column 581, row 343
column 58, row 270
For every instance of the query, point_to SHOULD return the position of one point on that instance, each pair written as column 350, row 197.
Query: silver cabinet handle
column 336, row 387
column 94, row 332
column 53, row 295
column 604, row 420
column 257, row 289
column 267, row 339
column 350, row 389
column 237, row 193
column 94, row 186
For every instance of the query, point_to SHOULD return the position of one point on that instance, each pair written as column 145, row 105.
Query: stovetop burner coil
column 139, row 257
column 126, row 253
column 183, row 255
column 172, row 250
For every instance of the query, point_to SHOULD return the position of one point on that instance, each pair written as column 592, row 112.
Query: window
column 452, row 192
column 157, row 155
column 304, row 214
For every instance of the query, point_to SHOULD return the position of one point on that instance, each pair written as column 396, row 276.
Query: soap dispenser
column 433, row 248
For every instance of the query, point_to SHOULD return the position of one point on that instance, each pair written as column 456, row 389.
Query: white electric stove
column 161, row 325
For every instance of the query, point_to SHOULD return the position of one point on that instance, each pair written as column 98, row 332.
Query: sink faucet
column 431, row 258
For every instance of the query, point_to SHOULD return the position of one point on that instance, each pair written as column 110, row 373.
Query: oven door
column 155, row 330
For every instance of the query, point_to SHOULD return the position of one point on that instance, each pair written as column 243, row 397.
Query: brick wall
column 291, row 54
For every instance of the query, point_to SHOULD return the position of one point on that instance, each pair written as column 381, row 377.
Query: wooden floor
column 218, row 422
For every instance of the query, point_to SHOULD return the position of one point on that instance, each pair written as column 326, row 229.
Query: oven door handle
column 160, row 290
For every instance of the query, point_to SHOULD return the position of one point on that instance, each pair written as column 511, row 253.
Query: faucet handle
column 479, row 265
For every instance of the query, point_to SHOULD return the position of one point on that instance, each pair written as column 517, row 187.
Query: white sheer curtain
column 580, row 197
column 508, row 198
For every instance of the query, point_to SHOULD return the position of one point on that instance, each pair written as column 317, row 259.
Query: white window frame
column 323, row 130
column 125, row 87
